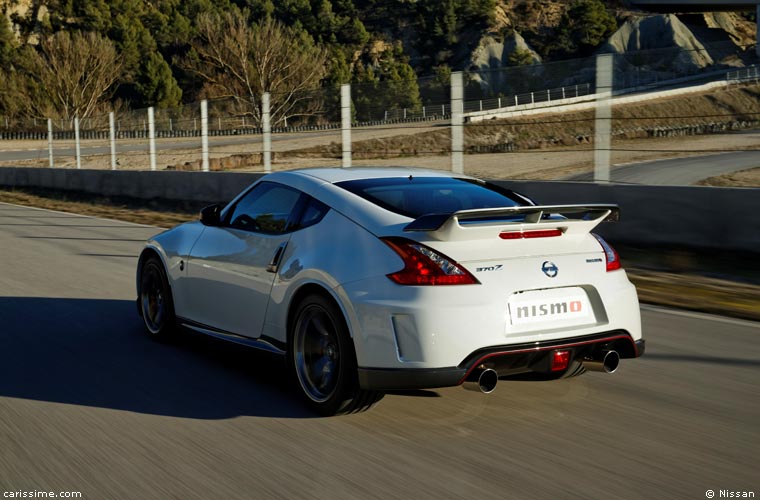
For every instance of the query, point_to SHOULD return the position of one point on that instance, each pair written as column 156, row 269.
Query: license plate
column 560, row 306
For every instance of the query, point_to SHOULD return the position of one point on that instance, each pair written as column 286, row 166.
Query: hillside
column 159, row 44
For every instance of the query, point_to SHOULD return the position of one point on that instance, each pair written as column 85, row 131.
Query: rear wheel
column 156, row 304
column 322, row 358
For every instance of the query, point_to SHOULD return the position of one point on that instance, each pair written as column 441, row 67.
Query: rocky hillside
column 373, row 41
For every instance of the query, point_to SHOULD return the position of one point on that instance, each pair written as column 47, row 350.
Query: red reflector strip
column 537, row 233
column 560, row 360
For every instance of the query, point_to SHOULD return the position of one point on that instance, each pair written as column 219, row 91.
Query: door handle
column 277, row 257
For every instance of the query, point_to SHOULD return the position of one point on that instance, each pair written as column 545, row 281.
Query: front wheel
column 156, row 304
column 322, row 358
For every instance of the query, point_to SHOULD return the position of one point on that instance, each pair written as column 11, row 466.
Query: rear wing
column 533, row 216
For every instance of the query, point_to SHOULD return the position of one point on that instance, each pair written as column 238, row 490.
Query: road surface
column 680, row 171
column 88, row 403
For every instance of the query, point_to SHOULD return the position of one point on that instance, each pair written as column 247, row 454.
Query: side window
column 267, row 208
column 312, row 213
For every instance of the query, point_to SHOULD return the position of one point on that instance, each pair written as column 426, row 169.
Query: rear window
column 417, row 196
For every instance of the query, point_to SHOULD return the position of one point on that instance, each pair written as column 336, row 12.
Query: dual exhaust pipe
column 485, row 379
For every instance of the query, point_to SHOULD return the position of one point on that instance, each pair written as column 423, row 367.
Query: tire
column 322, row 359
column 155, row 301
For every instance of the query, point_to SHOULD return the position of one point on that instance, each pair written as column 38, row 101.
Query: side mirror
column 211, row 215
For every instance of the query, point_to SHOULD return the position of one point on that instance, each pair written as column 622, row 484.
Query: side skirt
column 261, row 343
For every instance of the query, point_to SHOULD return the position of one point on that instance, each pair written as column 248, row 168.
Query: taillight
column 610, row 255
column 424, row 266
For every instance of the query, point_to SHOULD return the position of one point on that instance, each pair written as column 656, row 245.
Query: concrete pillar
column 77, row 143
column 152, row 137
column 50, row 142
column 457, row 122
column 266, row 129
column 112, row 139
column 345, row 123
column 603, row 128
column 204, row 135
column 757, row 36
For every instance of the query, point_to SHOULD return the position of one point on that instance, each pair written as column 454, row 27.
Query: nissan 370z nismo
column 370, row 280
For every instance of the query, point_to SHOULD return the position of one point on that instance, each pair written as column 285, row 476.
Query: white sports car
column 370, row 280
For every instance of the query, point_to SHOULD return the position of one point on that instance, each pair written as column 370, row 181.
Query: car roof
column 321, row 183
column 333, row 175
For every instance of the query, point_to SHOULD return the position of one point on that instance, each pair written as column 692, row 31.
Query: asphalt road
column 680, row 171
column 88, row 403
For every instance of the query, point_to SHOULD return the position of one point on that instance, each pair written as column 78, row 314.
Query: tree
column 71, row 75
column 241, row 62
column 156, row 84
column 7, row 42
column 520, row 57
column 583, row 28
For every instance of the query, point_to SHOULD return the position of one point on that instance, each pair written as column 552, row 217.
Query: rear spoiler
column 518, row 215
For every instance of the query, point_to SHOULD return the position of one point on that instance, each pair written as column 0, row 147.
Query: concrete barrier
column 680, row 216
column 690, row 216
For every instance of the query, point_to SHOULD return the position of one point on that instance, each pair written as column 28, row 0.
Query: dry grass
column 682, row 290
column 697, row 293
column 153, row 213
column 749, row 178
column 567, row 130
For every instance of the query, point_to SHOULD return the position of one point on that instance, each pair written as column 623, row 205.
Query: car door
column 232, row 266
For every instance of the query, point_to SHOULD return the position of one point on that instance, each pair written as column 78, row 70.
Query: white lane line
column 80, row 215
column 700, row 315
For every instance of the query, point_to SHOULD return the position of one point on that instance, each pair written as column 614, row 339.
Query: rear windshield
column 417, row 196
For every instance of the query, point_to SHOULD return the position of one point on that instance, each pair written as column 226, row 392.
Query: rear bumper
column 506, row 360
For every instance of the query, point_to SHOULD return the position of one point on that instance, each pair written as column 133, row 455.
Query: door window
column 267, row 208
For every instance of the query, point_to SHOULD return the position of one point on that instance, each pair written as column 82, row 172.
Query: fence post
column 457, row 122
column 345, row 123
column 532, row 100
column 76, row 142
column 499, row 103
column 152, row 137
column 516, row 100
column 50, row 142
column 757, row 21
column 204, row 135
column 112, row 138
column 603, row 118
column 266, row 129
column 423, row 112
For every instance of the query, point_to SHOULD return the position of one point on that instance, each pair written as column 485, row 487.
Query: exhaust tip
column 482, row 380
column 608, row 362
